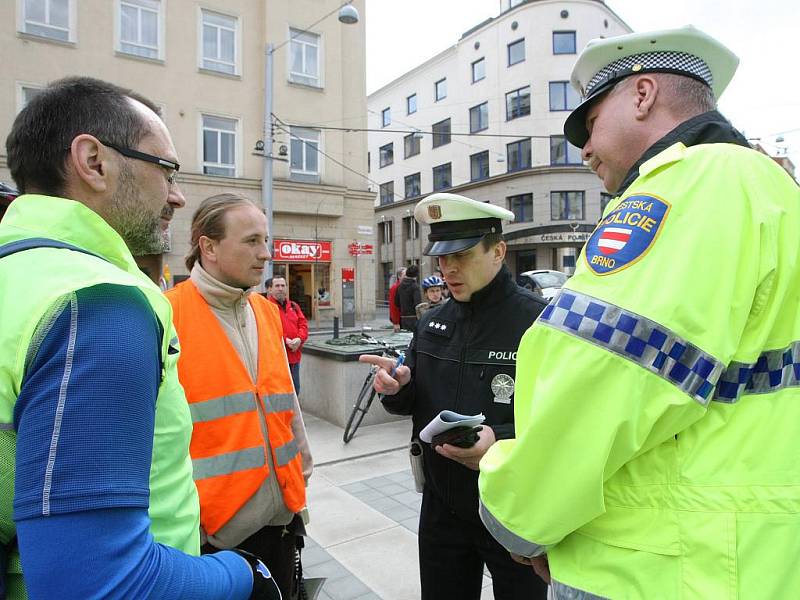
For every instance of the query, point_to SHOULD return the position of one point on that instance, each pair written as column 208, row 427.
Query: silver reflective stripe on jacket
column 231, row 462
column 508, row 539
column 562, row 591
column 275, row 403
column 637, row 339
column 6, row 427
column 774, row 370
column 286, row 453
column 224, row 406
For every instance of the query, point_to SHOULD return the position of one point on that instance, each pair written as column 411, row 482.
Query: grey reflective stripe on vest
column 216, row 408
column 6, row 427
column 286, row 453
column 774, row 370
column 508, row 539
column 275, row 403
column 224, row 464
column 636, row 338
column 562, row 591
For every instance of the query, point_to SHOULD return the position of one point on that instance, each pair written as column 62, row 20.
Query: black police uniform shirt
column 462, row 358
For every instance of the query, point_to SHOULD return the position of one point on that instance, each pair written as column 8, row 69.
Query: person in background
column 658, row 406
column 295, row 325
column 92, row 417
column 394, row 309
column 407, row 297
column 432, row 288
column 249, row 446
column 461, row 358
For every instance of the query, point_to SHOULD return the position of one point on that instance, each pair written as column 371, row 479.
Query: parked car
column 544, row 282
column 7, row 194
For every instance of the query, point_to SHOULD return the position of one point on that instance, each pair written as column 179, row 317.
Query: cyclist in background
column 432, row 288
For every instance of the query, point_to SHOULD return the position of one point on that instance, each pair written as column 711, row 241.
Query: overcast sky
column 763, row 99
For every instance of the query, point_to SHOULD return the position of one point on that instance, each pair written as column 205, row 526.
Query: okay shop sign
column 625, row 235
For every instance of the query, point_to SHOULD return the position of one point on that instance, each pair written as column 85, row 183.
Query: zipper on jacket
column 462, row 363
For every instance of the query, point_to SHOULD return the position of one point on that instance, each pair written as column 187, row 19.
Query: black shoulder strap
column 30, row 243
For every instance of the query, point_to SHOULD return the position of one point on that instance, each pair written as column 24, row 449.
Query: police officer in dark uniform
column 461, row 358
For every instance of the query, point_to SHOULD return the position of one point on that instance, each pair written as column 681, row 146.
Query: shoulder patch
column 626, row 234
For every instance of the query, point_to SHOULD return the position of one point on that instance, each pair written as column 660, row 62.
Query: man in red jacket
column 394, row 311
column 295, row 325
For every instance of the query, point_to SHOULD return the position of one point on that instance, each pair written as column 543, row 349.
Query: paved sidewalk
column 364, row 513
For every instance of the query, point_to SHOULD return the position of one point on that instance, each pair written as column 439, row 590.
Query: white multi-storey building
column 485, row 119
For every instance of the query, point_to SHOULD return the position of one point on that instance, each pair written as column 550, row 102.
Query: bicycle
column 367, row 393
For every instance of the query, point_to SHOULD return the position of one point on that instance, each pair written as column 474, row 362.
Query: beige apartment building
column 203, row 62
column 485, row 119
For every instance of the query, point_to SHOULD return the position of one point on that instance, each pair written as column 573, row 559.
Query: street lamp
column 347, row 15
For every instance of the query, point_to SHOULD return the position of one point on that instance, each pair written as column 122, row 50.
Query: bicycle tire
column 360, row 408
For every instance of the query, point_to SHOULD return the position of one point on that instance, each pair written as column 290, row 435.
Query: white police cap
column 457, row 222
column 684, row 51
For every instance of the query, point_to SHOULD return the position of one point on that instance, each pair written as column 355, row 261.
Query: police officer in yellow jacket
column 658, row 396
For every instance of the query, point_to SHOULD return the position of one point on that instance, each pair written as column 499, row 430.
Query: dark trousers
column 408, row 323
column 452, row 554
column 294, row 369
column 275, row 546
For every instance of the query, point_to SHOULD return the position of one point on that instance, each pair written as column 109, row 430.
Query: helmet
column 432, row 281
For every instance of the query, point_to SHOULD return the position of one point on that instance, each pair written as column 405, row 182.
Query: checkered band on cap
column 662, row 61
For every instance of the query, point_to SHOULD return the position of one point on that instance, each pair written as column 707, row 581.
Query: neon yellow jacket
column 658, row 397
column 32, row 281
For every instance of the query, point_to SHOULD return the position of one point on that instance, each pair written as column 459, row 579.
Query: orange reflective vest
column 228, row 448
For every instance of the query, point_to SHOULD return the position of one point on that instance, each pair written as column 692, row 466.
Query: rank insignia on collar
column 626, row 234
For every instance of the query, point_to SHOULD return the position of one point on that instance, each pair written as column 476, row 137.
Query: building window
column 139, row 27
column 563, row 42
column 604, row 200
column 386, row 155
column 410, row 228
column 48, row 19
column 304, row 60
column 411, row 144
column 479, row 117
column 387, row 232
column 513, row 3
column 412, row 185
column 369, row 162
column 516, row 52
column 26, row 93
column 440, row 90
column 566, row 206
column 219, row 146
column 563, row 96
column 219, row 42
column 478, row 70
column 563, row 153
column 304, row 155
column 522, row 207
column 386, row 117
column 518, row 103
column 442, row 177
column 441, row 133
column 479, row 166
column 387, row 192
column 411, row 104
column 519, row 155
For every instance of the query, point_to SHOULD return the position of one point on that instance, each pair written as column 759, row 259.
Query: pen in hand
column 399, row 363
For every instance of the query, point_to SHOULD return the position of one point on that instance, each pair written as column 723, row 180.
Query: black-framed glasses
column 170, row 166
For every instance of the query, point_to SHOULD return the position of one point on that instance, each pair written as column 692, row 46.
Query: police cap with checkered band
column 604, row 62
column 457, row 222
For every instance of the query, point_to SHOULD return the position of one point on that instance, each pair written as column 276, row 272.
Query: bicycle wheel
column 360, row 408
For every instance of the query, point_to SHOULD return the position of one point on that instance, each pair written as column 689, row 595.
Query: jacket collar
column 496, row 290
column 218, row 295
column 707, row 128
column 34, row 215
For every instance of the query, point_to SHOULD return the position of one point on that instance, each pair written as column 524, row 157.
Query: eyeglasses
column 170, row 166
